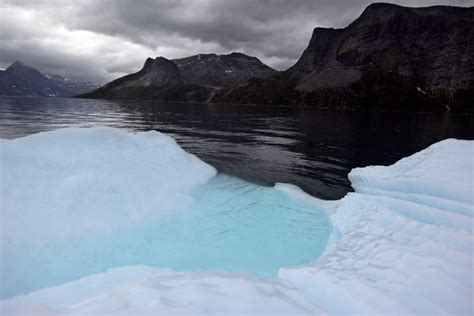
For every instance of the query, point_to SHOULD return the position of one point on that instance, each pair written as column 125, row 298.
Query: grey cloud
column 276, row 31
column 273, row 27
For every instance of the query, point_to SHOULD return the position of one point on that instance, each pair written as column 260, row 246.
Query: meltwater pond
column 81, row 201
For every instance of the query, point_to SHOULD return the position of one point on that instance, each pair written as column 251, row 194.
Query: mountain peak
column 151, row 63
column 18, row 64
column 161, row 62
column 214, row 70
column 25, row 80
column 381, row 5
column 237, row 54
column 148, row 62
column 240, row 55
column 20, row 67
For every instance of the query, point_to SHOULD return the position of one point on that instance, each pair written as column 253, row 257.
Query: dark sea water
column 312, row 149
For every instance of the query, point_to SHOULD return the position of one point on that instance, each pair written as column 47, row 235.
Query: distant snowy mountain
column 23, row 80
column 76, row 87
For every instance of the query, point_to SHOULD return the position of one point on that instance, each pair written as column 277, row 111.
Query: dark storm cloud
column 104, row 39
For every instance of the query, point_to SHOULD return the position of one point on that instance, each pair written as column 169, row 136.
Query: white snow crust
column 406, row 239
column 69, row 160
column 403, row 244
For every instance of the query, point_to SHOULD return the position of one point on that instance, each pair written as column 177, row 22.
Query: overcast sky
column 104, row 39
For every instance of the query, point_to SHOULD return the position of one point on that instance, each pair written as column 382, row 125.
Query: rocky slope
column 23, row 80
column 391, row 57
column 221, row 70
column 195, row 78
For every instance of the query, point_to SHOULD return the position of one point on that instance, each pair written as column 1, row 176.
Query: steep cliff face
column 158, row 72
column 391, row 57
column 431, row 47
column 319, row 45
column 195, row 78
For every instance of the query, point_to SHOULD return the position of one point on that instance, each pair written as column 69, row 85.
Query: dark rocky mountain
column 23, row 80
column 221, row 70
column 391, row 57
column 73, row 86
column 159, row 79
column 195, row 78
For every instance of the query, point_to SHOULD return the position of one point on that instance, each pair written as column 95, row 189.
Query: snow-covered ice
column 406, row 243
column 78, row 202
column 402, row 243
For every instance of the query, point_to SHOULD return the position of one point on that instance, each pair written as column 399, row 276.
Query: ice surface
column 406, row 243
column 402, row 244
column 65, row 189
column 78, row 202
column 149, row 291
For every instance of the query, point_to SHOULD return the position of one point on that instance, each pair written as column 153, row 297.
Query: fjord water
column 312, row 149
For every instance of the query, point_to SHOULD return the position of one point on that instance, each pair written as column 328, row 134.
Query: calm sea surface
column 312, row 149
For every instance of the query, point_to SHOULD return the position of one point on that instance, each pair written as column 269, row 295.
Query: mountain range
column 389, row 58
column 24, row 80
column 197, row 78
column 74, row 87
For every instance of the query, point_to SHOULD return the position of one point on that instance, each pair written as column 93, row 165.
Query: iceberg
column 406, row 239
column 78, row 202
column 402, row 243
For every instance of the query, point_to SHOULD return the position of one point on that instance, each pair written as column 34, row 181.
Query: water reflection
column 314, row 150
